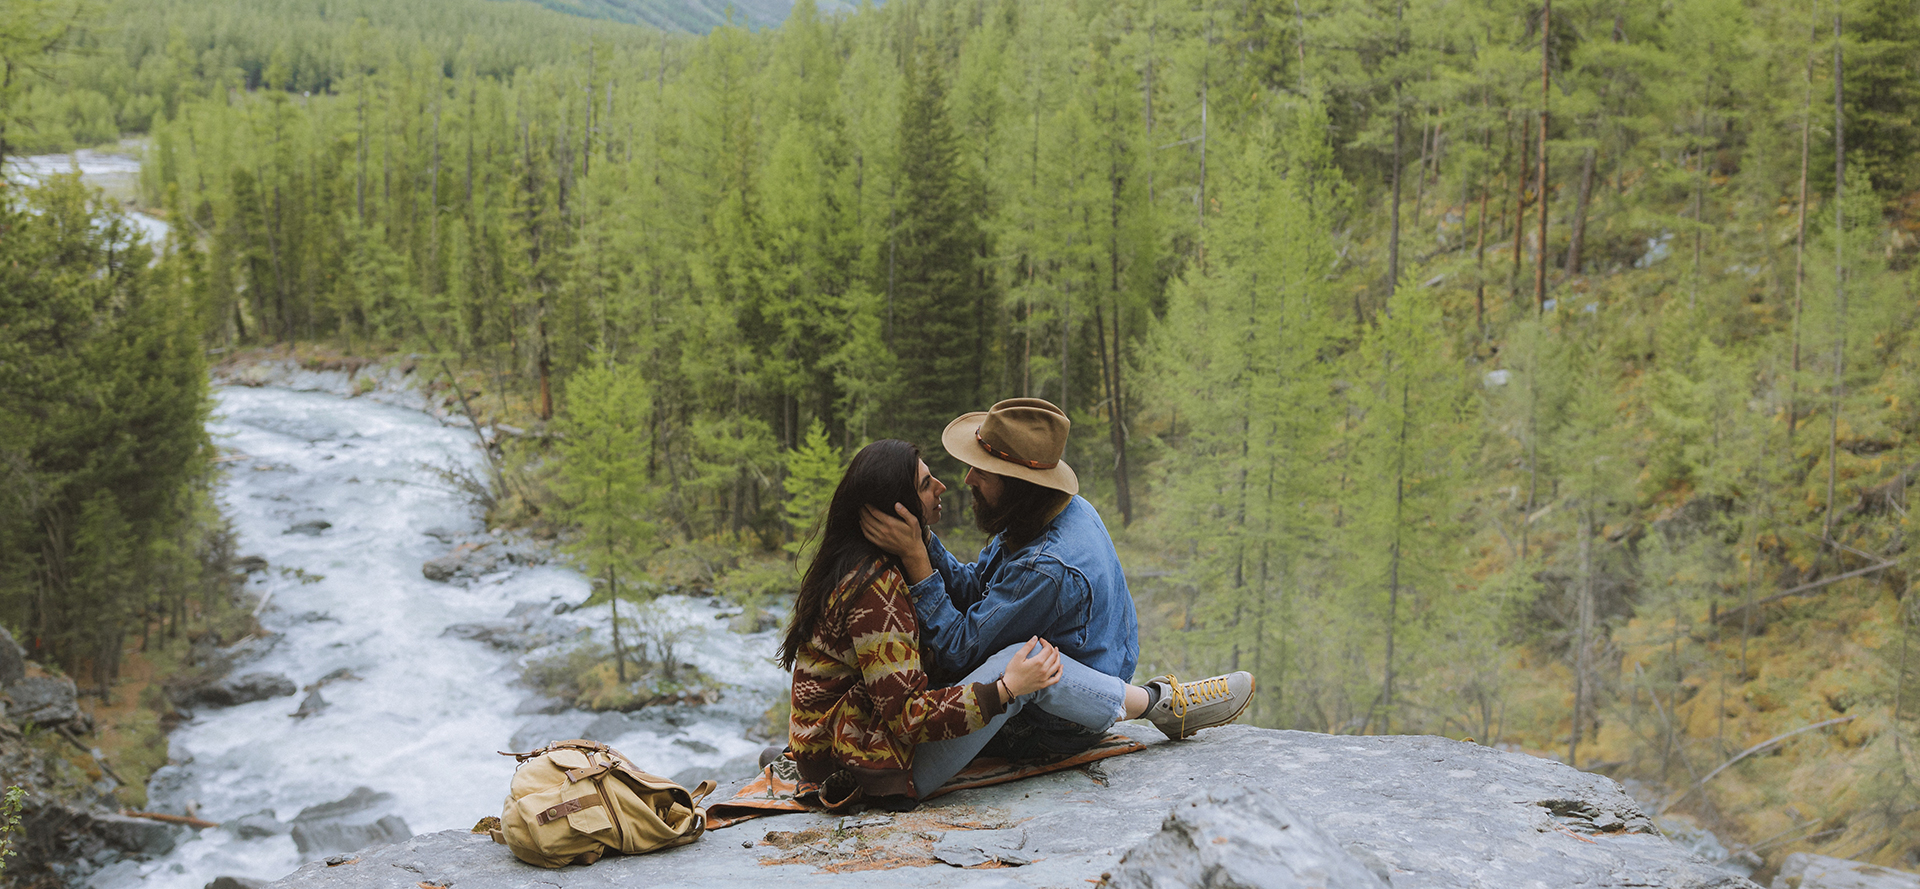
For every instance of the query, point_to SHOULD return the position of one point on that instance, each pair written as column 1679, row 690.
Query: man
column 1049, row 571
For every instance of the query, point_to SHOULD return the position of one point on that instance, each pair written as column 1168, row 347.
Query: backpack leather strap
column 569, row 807
column 575, row 775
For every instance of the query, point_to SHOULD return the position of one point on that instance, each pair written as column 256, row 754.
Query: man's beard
column 985, row 516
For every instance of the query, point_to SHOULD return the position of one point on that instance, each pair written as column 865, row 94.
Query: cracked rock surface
column 1412, row 812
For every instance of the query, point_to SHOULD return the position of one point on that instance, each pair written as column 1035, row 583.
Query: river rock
column 311, row 529
column 540, row 705
column 504, row 637
column 48, row 701
column 466, row 560
column 235, row 883
column 250, row 564
column 137, row 837
column 352, row 822
column 1440, row 814
column 311, row 705
column 1805, row 870
column 235, row 690
column 169, row 789
column 1240, row 838
column 735, row 769
column 255, row 825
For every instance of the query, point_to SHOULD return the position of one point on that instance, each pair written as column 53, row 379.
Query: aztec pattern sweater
column 860, row 697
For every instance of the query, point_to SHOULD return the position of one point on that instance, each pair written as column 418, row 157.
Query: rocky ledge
column 1236, row 806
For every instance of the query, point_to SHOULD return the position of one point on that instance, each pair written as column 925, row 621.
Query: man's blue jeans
column 1083, row 695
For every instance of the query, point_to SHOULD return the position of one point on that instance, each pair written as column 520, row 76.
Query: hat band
column 1030, row 464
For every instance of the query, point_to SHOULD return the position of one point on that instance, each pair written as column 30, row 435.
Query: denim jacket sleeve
column 961, row 581
column 961, row 631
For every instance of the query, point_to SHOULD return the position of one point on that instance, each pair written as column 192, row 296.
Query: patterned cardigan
column 860, row 697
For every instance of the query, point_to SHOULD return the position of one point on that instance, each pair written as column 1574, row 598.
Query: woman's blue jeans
column 1083, row 695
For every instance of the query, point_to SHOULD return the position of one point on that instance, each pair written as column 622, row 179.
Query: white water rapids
column 427, row 712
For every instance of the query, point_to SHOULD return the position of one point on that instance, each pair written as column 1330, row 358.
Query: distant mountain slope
column 696, row 16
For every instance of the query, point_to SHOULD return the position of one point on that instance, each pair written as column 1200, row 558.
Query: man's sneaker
column 1187, row 707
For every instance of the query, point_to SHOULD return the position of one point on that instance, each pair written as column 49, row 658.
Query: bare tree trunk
column 546, row 365
column 613, row 605
column 1393, row 582
column 360, row 181
column 1839, row 267
column 432, row 277
column 1520, row 202
column 1578, row 239
column 1206, row 75
column 1393, row 236
column 1480, row 246
column 1582, row 665
column 586, row 132
column 1800, row 251
column 1540, row 194
column 1399, row 128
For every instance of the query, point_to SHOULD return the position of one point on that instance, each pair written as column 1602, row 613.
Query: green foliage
column 936, row 301
column 1277, row 261
column 813, row 471
column 602, row 483
column 10, row 805
column 110, row 527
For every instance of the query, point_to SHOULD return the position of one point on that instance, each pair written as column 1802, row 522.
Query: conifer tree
column 813, row 471
column 941, row 317
column 1411, row 408
column 603, row 484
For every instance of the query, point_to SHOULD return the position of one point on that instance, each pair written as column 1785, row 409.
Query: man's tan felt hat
column 1020, row 437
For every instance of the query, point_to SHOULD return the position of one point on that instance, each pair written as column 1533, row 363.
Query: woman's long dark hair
column 882, row 474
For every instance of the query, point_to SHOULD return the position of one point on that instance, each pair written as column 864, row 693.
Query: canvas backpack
column 574, row 801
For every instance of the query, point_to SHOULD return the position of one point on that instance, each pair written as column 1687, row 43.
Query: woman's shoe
column 1187, row 707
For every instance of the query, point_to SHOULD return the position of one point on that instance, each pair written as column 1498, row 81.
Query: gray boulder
column 235, row 690
column 540, row 705
column 48, row 701
column 1240, row 838
column 502, row 637
column 13, row 660
column 1805, row 870
column 136, row 837
column 169, row 789
column 311, row 705
column 466, row 560
column 311, row 529
column 256, row 825
column 735, row 769
column 1430, row 812
column 355, row 821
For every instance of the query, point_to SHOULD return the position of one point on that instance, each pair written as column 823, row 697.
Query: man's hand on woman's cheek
column 900, row 535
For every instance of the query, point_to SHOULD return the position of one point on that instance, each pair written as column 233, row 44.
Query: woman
column 860, row 698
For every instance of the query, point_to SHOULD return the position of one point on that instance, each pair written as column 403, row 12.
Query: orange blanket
column 773, row 792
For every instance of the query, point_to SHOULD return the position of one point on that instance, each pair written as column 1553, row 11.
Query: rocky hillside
column 70, row 820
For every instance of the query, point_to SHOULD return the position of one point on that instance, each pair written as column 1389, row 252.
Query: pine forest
column 1537, row 373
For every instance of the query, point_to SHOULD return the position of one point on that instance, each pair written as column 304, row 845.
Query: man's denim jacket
column 1066, row 587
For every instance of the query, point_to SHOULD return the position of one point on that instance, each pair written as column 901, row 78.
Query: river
column 424, row 713
column 117, row 174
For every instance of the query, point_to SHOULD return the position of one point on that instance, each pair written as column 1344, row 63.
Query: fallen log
column 194, row 823
column 1801, row 590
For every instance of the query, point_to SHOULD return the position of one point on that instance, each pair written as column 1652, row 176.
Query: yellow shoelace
column 1189, row 694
